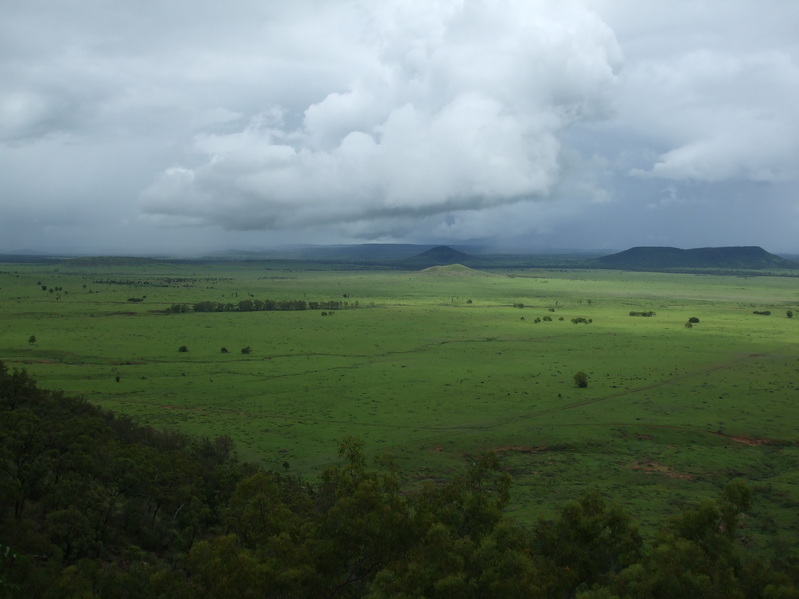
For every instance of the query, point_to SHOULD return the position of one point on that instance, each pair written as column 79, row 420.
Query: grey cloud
column 724, row 116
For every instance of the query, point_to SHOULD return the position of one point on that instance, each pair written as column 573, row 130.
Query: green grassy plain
column 437, row 366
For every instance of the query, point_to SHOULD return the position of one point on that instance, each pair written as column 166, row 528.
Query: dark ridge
column 115, row 261
column 367, row 253
column 656, row 258
column 26, row 259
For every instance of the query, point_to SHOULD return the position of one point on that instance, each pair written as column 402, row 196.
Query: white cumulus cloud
column 442, row 106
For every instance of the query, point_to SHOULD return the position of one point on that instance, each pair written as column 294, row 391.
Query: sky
column 189, row 127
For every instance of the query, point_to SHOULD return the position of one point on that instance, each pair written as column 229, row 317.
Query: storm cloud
column 572, row 124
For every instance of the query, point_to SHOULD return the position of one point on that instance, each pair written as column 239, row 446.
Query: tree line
column 94, row 505
column 162, row 281
column 259, row 305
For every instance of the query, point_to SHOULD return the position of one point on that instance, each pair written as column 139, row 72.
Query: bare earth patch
column 743, row 439
column 652, row 467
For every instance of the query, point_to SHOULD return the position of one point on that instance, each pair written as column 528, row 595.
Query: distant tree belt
column 162, row 281
column 257, row 305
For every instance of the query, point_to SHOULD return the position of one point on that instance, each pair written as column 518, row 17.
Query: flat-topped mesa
column 737, row 257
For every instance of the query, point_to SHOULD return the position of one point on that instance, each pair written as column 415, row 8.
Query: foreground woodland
column 94, row 505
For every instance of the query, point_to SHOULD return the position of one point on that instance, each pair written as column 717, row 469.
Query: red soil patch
column 653, row 467
column 748, row 441
column 742, row 439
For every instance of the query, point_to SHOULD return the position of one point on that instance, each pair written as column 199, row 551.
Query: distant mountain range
column 637, row 258
column 420, row 257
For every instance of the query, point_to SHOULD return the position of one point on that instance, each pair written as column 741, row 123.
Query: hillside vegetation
column 93, row 505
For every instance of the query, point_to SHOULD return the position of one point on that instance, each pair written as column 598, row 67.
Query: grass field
column 439, row 365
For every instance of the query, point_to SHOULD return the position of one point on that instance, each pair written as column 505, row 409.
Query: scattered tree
column 581, row 379
column 32, row 339
column 224, row 350
column 789, row 314
column 693, row 320
column 183, row 349
column 246, row 350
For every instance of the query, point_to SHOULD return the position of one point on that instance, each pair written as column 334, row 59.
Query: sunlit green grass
column 435, row 367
